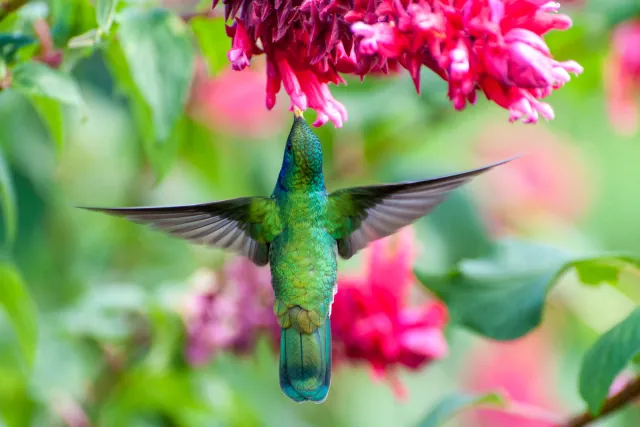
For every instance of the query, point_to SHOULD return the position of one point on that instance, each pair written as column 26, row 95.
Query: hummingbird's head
column 302, row 162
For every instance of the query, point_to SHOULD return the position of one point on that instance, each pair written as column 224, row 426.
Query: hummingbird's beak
column 297, row 113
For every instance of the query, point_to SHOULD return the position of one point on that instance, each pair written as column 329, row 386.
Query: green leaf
column 8, row 203
column 21, row 310
column 610, row 354
column 213, row 42
column 160, row 156
column 502, row 296
column 161, row 61
column 88, row 39
column 463, row 233
column 452, row 405
column 35, row 78
column 105, row 12
column 52, row 114
column 604, row 270
column 11, row 43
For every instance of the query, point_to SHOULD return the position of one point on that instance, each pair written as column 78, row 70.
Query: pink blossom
column 622, row 77
column 371, row 320
column 493, row 46
column 550, row 182
column 231, row 102
column 524, row 371
column 228, row 311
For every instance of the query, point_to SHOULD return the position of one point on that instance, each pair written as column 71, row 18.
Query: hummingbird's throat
column 296, row 317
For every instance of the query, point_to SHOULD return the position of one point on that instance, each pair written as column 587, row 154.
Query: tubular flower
column 622, row 77
column 371, row 320
column 493, row 46
column 228, row 311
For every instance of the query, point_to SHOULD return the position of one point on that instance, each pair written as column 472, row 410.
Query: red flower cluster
column 495, row 46
column 371, row 320
column 623, row 76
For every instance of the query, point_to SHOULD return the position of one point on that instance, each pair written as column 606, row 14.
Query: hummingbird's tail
column 305, row 363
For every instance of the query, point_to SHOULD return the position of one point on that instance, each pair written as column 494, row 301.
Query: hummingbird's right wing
column 246, row 225
column 360, row 215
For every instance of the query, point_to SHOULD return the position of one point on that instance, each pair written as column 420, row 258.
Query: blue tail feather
column 305, row 363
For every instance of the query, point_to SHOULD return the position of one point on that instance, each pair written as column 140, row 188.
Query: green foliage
column 17, row 303
column 37, row 79
column 160, row 57
column 210, row 35
column 105, row 13
column 452, row 405
column 7, row 203
column 613, row 351
column 502, row 296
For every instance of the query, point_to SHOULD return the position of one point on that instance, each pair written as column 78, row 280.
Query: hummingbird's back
column 304, row 272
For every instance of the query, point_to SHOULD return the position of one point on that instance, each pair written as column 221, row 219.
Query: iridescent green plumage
column 300, row 231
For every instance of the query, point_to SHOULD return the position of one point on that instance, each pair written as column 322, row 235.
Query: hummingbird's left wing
column 246, row 225
column 359, row 215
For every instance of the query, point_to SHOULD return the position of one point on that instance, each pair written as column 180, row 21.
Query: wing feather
column 360, row 215
column 245, row 225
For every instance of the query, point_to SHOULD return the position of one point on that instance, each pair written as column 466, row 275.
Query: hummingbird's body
column 300, row 231
column 303, row 259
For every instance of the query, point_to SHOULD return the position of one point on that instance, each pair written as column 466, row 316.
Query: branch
column 9, row 6
column 625, row 396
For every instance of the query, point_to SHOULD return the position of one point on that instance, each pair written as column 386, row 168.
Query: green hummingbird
column 300, row 231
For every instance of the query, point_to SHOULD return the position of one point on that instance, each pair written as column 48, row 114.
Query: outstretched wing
column 359, row 215
column 246, row 225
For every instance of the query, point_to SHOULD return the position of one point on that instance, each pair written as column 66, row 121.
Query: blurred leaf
column 167, row 330
column 452, row 405
column 104, row 313
column 87, row 39
column 160, row 156
column 161, row 59
column 35, row 78
column 32, row 11
column 16, row 301
column 10, row 44
column 213, row 42
column 502, row 296
column 605, row 269
column 610, row 354
column 105, row 12
column 52, row 114
column 461, row 228
column 8, row 203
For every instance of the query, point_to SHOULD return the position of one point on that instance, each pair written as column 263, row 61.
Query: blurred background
column 139, row 329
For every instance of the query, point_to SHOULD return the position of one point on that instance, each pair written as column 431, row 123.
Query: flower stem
column 9, row 6
column 625, row 396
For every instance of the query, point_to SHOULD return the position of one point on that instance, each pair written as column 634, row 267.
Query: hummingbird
column 300, row 231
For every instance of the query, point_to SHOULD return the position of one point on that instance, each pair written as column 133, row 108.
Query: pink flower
column 523, row 370
column 371, row 320
column 229, row 311
column 230, row 102
column 549, row 182
column 494, row 46
column 622, row 77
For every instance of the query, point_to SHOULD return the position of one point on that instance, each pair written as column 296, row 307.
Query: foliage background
column 107, row 293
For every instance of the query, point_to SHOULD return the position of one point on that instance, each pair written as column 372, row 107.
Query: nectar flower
column 371, row 320
column 228, row 311
column 492, row 46
column 622, row 77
